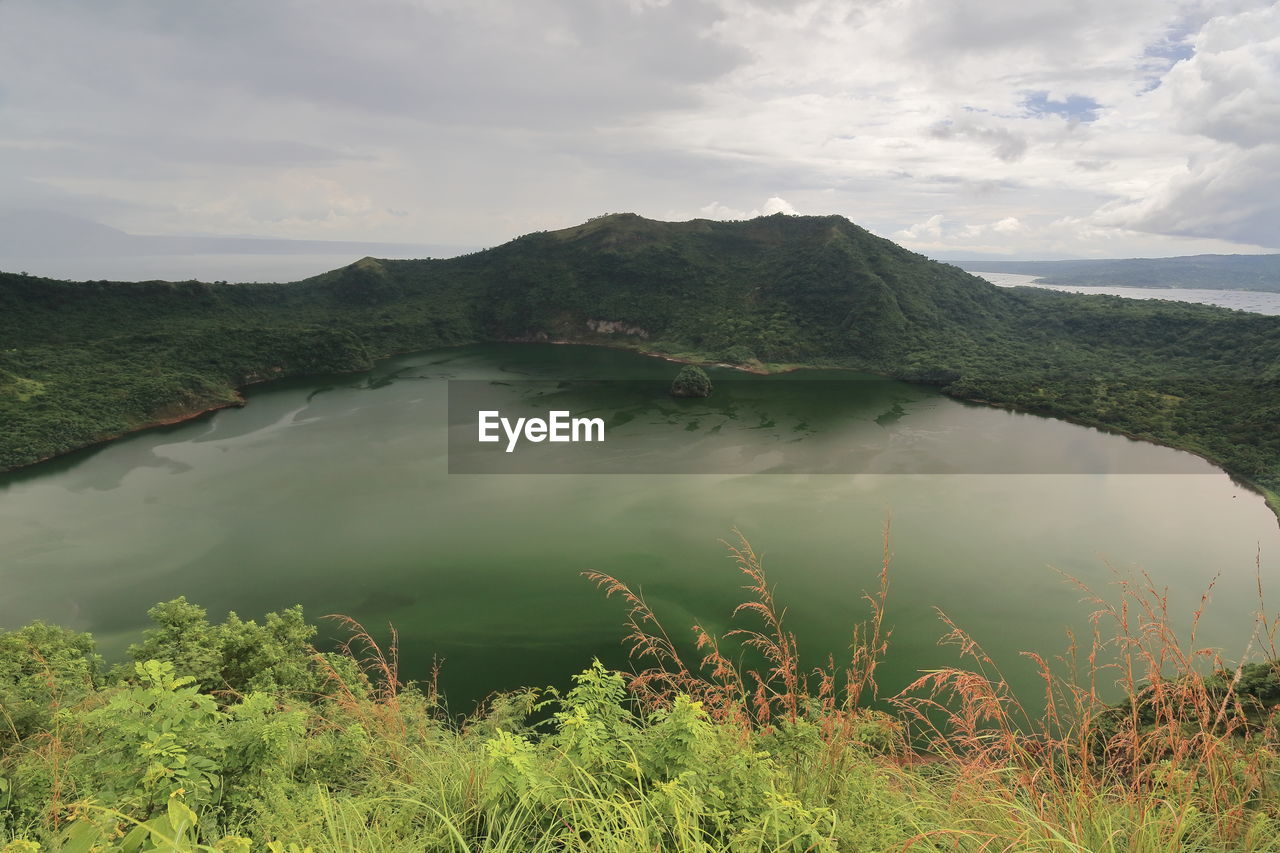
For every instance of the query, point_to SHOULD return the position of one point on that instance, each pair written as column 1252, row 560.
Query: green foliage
column 172, row 831
column 87, row 361
column 738, row 354
column 236, row 655
column 593, row 729
column 160, row 763
column 678, row 741
column 691, row 381
column 151, row 742
column 155, row 737
column 687, row 775
column 42, row 668
column 514, row 771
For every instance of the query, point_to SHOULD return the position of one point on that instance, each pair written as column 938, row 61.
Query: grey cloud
column 223, row 149
column 1005, row 144
column 971, row 186
column 163, row 153
column 486, row 63
column 108, row 98
column 1229, row 91
column 468, row 121
column 1059, row 30
column 1230, row 194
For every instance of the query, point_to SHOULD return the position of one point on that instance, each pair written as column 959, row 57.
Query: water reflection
column 342, row 501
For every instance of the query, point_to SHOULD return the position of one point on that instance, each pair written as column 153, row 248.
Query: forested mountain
column 1208, row 272
column 80, row 362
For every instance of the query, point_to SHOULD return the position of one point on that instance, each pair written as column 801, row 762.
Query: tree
column 691, row 381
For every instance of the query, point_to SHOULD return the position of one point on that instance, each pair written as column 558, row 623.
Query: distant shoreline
column 1272, row 499
column 1264, row 302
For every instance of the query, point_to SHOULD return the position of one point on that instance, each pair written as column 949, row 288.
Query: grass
column 742, row 747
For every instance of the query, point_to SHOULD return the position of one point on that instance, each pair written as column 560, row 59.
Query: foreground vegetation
column 240, row 736
column 80, row 362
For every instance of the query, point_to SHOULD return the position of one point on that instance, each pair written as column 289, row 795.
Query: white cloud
column 777, row 205
column 929, row 230
column 1228, row 93
column 1231, row 193
column 716, row 210
column 1046, row 237
column 897, row 112
column 1230, row 89
column 939, row 234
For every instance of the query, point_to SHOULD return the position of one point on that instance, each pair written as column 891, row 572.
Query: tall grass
column 736, row 742
column 1184, row 761
column 779, row 689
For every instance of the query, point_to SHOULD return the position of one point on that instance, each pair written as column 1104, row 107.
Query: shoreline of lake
column 1264, row 302
column 345, row 493
column 1272, row 499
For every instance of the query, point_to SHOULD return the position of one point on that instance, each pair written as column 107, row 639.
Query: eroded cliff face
column 615, row 327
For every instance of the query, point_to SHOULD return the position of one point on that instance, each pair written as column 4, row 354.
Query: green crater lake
column 336, row 493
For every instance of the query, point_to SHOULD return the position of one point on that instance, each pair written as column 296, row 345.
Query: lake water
column 1242, row 300
column 336, row 493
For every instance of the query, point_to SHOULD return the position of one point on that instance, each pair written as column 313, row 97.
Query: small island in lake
column 691, row 381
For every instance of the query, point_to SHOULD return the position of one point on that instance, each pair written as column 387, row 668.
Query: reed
column 719, row 742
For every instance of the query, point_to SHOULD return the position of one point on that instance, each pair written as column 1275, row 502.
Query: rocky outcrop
column 615, row 327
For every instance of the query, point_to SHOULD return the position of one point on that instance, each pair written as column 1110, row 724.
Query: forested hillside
column 80, row 362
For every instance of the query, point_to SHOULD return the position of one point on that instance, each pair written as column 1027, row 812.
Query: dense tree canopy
column 80, row 362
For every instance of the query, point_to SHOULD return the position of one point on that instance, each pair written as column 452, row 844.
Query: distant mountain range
column 1206, row 272
column 37, row 234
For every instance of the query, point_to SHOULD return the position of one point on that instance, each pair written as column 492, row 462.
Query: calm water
column 1258, row 302
column 336, row 493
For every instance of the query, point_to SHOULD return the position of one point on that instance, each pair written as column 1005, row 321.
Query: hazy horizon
column 122, row 256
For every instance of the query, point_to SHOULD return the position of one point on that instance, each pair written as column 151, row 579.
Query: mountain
column 81, row 362
column 1208, row 272
column 32, row 234
column 774, row 289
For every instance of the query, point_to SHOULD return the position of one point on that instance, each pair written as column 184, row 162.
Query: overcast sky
column 1039, row 128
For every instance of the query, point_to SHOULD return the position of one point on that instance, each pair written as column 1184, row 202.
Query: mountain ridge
column 762, row 293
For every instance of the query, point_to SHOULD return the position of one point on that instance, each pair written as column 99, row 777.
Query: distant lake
column 1242, row 300
column 335, row 492
column 234, row 268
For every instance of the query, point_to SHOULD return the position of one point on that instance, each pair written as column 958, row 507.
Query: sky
column 1017, row 128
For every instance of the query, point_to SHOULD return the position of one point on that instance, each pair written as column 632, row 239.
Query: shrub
column 691, row 381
